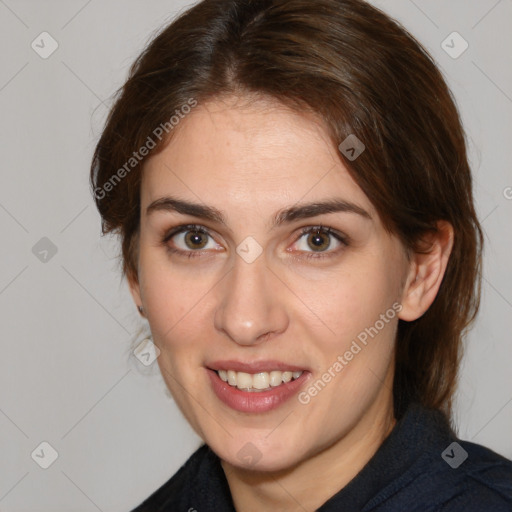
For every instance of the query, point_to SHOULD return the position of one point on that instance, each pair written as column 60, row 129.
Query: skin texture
column 252, row 160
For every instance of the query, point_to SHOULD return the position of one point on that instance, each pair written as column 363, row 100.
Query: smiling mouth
column 257, row 382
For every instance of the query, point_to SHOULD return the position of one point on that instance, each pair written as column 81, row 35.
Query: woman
column 291, row 187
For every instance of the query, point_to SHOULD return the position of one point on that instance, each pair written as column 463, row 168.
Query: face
column 296, row 306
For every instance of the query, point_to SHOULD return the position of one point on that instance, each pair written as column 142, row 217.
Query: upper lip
column 254, row 366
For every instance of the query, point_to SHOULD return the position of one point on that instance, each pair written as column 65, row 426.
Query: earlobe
column 427, row 270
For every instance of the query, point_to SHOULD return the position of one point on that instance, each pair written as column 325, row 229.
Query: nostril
column 265, row 337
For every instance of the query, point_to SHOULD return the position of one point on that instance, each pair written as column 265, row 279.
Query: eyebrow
column 286, row 216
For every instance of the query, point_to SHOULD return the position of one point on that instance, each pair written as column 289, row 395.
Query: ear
column 134, row 286
column 426, row 272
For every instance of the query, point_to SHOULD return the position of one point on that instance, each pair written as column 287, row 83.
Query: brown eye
column 189, row 240
column 195, row 239
column 319, row 241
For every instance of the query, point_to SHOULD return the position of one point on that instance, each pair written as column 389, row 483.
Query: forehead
column 249, row 154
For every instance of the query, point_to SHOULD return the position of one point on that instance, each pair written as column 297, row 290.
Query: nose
column 251, row 308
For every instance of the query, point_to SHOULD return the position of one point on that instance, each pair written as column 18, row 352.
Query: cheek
column 353, row 298
column 172, row 293
column 358, row 307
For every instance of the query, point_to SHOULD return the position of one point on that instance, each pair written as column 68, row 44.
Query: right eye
column 187, row 240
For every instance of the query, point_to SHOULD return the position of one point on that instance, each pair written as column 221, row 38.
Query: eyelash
column 304, row 231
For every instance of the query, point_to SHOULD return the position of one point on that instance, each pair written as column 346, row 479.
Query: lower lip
column 257, row 401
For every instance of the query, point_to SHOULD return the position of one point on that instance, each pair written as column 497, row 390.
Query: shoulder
column 435, row 471
column 482, row 481
column 463, row 477
column 183, row 490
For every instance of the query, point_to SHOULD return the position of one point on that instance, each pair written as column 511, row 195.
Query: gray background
column 67, row 375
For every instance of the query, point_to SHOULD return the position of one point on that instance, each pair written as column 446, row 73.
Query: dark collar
column 416, row 441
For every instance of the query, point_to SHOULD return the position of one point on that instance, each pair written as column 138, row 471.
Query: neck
column 313, row 481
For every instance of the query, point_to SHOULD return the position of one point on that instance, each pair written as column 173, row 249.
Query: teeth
column 276, row 378
column 258, row 381
column 243, row 380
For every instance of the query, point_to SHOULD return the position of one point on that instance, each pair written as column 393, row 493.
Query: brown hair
column 361, row 73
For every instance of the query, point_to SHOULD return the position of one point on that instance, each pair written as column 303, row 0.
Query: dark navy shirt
column 420, row 467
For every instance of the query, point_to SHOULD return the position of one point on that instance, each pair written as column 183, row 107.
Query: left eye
column 318, row 239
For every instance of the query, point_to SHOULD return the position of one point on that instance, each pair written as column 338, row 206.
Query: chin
column 259, row 453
